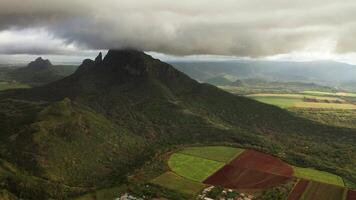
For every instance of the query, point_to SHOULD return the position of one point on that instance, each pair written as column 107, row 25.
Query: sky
column 71, row 30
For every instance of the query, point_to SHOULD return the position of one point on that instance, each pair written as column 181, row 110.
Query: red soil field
column 298, row 190
column 258, row 161
column 239, row 178
column 351, row 195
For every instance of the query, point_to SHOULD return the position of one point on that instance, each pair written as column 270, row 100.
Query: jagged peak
column 86, row 64
column 126, row 63
column 99, row 58
column 124, row 55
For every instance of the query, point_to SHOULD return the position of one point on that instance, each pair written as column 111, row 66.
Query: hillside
column 95, row 127
column 38, row 72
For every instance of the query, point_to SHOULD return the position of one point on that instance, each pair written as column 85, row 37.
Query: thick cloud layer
column 254, row 28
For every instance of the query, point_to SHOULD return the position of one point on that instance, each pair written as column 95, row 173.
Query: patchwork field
column 304, row 101
column 193, row 168
column 316, row 175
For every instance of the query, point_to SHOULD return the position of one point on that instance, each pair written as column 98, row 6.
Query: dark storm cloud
column 252, row 28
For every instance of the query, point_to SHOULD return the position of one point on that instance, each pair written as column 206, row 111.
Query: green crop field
column 217, row 153
column 316, row 175
column 296, row 100
column 174, row 182
column 192, row 167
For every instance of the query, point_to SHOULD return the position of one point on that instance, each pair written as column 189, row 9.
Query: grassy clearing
column 14, row 85
column 282, row 102
column 192, row 167
column 217, row 153
column 296, row 96
column 316, row 175
column 174, row 182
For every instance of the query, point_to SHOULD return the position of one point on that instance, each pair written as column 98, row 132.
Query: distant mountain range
column 99, row 125
column 37, row 72
column 325, row 73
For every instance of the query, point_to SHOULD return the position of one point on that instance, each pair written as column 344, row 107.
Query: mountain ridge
column 95, row 127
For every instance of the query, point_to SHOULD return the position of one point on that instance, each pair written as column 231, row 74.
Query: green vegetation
column 217, row 153
column 12, row 85
column 282, row 102
column 192, row 167
column 103, row 194
column 174, row 182
column 319, row 176
column 276, row 193
column 340, row 118
column 96, row 128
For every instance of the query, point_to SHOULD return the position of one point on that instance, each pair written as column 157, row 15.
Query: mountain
column 98, row 126
column 327, row 73
column 39, row 72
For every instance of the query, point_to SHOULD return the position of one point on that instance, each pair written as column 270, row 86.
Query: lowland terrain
column 246, row 172
column 109, row 128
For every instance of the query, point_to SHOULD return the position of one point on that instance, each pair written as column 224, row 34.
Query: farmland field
column 255, row 160
column 351, row 195
column 335, row 106
column 341, row 94
column 320, row 191
column 192, row 167
column 243, row 178
column 298, row 190
column 296, row 96
column 217, row 153
column 303, row 101
column 316, row 175
column 174, row 182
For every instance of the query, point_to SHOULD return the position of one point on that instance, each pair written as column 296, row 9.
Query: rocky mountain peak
column 40, row 63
